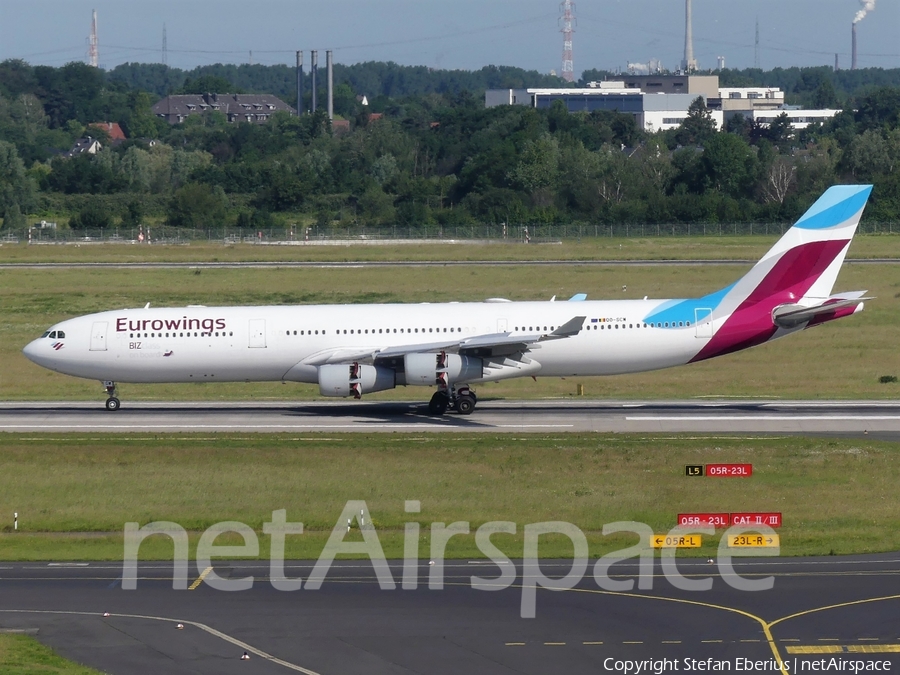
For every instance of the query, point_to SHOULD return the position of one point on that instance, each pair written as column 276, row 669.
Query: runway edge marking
column 202, row 626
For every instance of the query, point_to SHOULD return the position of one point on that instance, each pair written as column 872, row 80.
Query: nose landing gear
column 112, row 403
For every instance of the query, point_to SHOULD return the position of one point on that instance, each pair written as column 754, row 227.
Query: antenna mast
column 756, row 47
column 165, row 49
column 93, row 51
column 568, row 21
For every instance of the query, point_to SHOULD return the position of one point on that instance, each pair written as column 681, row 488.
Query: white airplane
column 351, row 350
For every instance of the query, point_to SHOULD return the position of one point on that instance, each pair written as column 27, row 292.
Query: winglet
column 571, row 327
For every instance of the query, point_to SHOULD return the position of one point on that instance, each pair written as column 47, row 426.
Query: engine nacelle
column 354, row 379
column 441, row 369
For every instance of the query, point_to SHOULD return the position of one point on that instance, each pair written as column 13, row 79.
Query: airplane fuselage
column 278, row 343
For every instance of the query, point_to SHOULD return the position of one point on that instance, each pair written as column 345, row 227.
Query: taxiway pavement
column 842, row 608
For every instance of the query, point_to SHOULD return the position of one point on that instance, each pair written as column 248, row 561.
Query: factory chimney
column 330, row 80
column 299, row 83
column 853, row 48
column 689, row 63
column 313, row 67
column 837, row 63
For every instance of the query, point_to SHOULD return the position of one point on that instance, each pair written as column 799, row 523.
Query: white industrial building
column 652, row 112
column 661, row 102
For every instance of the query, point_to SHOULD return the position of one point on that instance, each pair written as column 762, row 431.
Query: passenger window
column 687, row 323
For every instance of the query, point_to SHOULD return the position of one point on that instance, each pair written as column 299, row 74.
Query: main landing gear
column 461, row 400
column 112, row 403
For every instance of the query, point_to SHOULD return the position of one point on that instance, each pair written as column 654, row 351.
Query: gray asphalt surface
column 847, row 608
column 408, row 263
column 876, row 419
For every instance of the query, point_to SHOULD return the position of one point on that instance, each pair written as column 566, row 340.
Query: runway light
column 245, row 656
column 431, row 562
column 180, row 626
column 105, row 614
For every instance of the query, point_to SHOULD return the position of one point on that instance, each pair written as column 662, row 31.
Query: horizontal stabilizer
column 791, row 316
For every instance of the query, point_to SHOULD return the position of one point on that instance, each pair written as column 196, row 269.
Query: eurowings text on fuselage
column 351, row 350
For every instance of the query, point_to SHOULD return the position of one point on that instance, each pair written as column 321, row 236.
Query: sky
column 453, row 34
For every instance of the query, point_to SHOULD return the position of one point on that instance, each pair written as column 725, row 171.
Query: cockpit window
column 60, row 334
column 52, row 335
column 46, row 334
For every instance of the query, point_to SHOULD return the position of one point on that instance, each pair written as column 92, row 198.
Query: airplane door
column 502, row 325
column 98, row 336
column 703, row 323
column 257, row 334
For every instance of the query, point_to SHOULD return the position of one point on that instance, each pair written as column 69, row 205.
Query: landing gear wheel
column 112, row 403
column 439, row 403
column 465, row 404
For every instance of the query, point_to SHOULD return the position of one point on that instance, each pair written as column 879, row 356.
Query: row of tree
column 433, row 158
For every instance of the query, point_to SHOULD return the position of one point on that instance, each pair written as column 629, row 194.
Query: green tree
column 15, row 185
column 197, row 205
column 13, row 218
column 208, row 84
column 92, row 217
column 698, row 127
column 729, row 165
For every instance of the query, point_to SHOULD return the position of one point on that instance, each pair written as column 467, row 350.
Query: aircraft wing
column 484, row 346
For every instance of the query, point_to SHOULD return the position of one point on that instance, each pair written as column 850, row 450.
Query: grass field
column 23, row 655
column 592, row 248
column 843, row 359
column 837, row 496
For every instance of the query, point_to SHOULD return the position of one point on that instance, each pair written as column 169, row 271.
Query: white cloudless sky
column 455, row 34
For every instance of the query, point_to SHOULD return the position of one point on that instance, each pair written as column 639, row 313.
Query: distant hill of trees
column 434, row 157
column 372, row 79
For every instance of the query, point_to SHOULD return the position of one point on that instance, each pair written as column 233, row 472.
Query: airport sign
column 715, row 519
column 693, row 469
column 753, row 540
column 770, row 519
column 729, row 470
column 676, row 541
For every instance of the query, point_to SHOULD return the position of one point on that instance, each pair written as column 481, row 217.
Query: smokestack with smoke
column 867, row 6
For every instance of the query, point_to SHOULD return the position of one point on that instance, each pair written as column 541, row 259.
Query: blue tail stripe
column 837, row 205
column 683, row 310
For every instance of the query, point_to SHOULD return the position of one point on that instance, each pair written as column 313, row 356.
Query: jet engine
column 354, row 379
column 441, row 369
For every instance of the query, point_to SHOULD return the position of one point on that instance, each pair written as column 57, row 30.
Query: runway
column 874, row 419
column 820, row 608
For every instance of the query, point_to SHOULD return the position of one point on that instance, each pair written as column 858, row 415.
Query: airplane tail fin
column 796, row 275
column 804, row 263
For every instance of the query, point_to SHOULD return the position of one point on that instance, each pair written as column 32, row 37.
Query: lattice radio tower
column 93, row 46
column 568, row 23
column 756, row 47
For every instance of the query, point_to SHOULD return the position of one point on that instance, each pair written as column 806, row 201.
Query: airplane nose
column 32, row 351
